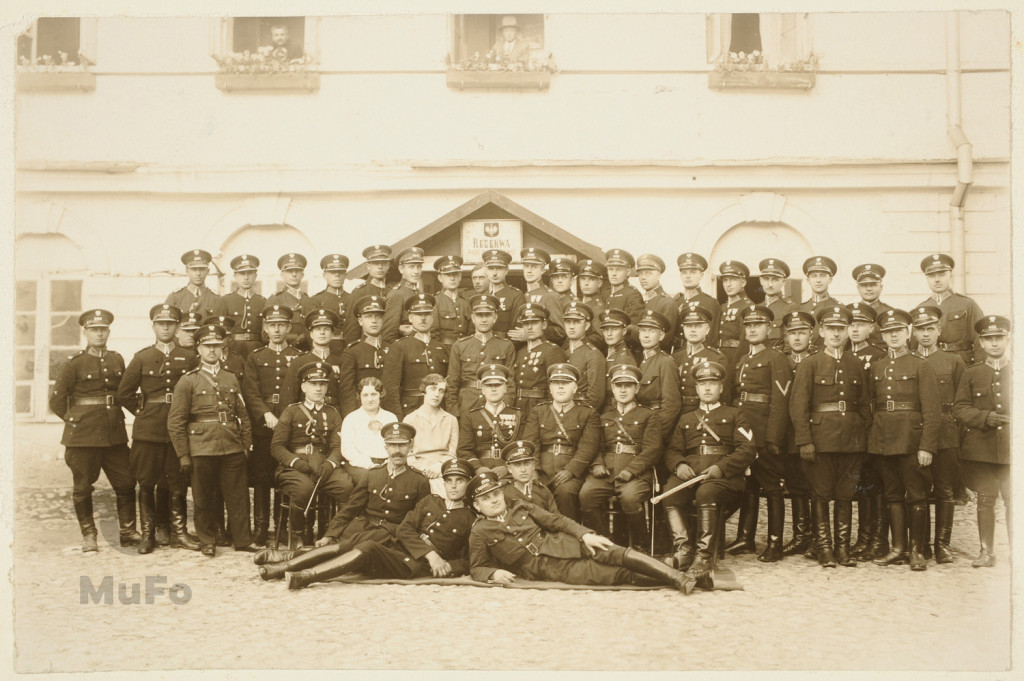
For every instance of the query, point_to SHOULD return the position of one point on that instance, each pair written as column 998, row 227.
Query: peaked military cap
column 733, row 268
column 798, row 319
column 624, row 373
column 756, row 314
column 315, row 372
column 334, row 262
column 413, row 255
column 484, row 302
column 574, row 309
column 368, row 304
column 494, row 373
column 893, row 319
column 836, row 315
column 591, row 268
column 695, row 313
column 708, row 371
column 276, row 313
column 520, row 450
column 561, row 266
column 937, row 262
column 224, row 321
column 397, row 432
column 190, row 321
column 820, row 263
column 653, row 319
column 615, row 317
column 868, row 272
column 563, row 371
column 484, row 481
column 457, row 467
column 861, row 312
column 993, row 325
column 421, row 302
column 495, row 256
column 531, row 312
column 291, row 261
column 96, row 317
column 210, row 334
column 448, row 264
column 925, row 315
column 245, row 263
column 196, row 258
column 377, row 253
column 617, row 256
column 165, row 313
column 322, row 317
column 773, row 267
column 692, row 261
column 649, row 261
column 535, row 256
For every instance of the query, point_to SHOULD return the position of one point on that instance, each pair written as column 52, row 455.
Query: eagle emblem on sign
column 491, row 229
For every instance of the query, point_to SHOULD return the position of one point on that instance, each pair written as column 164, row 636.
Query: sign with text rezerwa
column 481, row 235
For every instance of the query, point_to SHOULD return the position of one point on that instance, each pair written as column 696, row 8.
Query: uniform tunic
column 464, row 361
column 309, row 433
column 546, row 297
column 378, row 504
column 985, row 450
column 294, row 301
column 959, row 314
column 535, row 493
column 706, row 301
column 482, row 435
column 339, row 302
column 627, row 299
column 949, row 371
column 762, row 384
column 731, row 340
column 780, row 307
column 362, row 359
column 451, row 319
column 687, row 358
column 591, row 363
column 262, row 388
column 630, row 441
column 394, row 311
column 659, row 388
column 291, row 389
column 530, row 372
column 407, row 361
column 509, row 301
column 569, row 441
column 246, row 334
column 656, row 299
column 204, row 301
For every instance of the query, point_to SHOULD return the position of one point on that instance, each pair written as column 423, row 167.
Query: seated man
column 307, row 447
column 432, row 540
column 715, row 440
column 377, row 504
column 486, row 429
column 521, row 465
column 539, row 545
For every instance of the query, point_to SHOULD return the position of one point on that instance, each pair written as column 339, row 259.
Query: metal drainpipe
column 964, row 153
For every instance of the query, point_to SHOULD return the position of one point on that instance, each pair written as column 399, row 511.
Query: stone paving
column 791, row 615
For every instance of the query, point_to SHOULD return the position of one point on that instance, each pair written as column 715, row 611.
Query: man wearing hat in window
column 320, row 325
column 146, row 390
column 568, row 434
column 510, row 47
column 307, row 448
column 472, row 352
column 830, row 410
column 799, row 326
column 263, row 381
column 539, row 545
column 773, row 276
column 410, row 266
column 983, row 406
column 949, row 371
column 535, row 261
column 209, row 428
column 412, row 357
column 509, row 299
column 733, row 276
column 621, row 295
column 293, row 269
column 819, row 271
column 691, row 270
column 85, row 397
column 530, row 371
column 243, row 306
column 520, row 469
column 378, row 262
column 630, row 444
column 195, row 296
column 583, row 355
column 869, row 285
column 904, row 437
column 365, row 357
column 959, row 313
column 432, row 540
column 695, row 325
column 335, row 298
column 649, row 269
column 659, row 377
column 716, row 441
column 762, row 383
column 451, row 313
column 484, row 430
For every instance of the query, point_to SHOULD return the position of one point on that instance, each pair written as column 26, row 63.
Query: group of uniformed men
column 565, row 401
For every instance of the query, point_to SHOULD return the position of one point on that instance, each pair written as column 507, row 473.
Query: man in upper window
column 511, row 46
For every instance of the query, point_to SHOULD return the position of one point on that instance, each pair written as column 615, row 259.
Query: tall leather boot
column 986, row 533
column 684, row 537
column 879, row 545
column 918, row 533
column 179, row 537
column 162, row 515
column 898, row 525
column 926, row 547
column 343, row 564
column 943, row 531
column 844, row 525
column 637, row 525
column 801, row 512
column 126, row 518
column 268, row 556
column 746, row 527
column 260, row 514
column 642, row 564
column 776, row 516
column 703, row 567
column 296, row 527
column 822, row 533
column 276, row 563
column 865, row 526
column 147, row 518
column 87, row 524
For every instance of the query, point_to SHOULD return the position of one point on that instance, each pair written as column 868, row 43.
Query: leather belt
column 712, row 450
column 531, row 393
column 691, row 401
column 105, row 401
column 754, row 397
column 273, row 399
column 954, row 347
column 841, row 406
column 892, row 405
column 558, row 449
column 166, row 398
column 305, row 451
column 245, row 336
column 222, row 417
column 624, row 448
column 729, row 343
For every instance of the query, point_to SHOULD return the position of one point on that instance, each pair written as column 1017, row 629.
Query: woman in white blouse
column 361, row 443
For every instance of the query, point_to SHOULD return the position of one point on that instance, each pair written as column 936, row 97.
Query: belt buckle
column 618, row 448
column 109, row 400
column 168, row 397
column 275, row 398
column 532, row 549
column 222, row 417
column 842, row 406
column 743, row 395
column 890, row 405
column 309, row 449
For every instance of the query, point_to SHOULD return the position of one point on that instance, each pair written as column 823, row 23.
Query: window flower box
column 55, row 81
column 523, row 80
column 308, row 81
column 728, row 80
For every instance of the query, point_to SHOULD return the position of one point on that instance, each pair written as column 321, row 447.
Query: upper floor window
column 58, row 43
column 771, row 42
column 499, row 42
column 249, row 50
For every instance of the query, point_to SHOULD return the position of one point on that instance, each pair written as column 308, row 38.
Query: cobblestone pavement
column 791, row 615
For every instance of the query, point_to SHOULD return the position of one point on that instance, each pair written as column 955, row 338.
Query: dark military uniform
column 688, row 357
column 201, row 300
column 146, row 389
column 246, row 335
column 710, row 303
column 659, row 388
column 362, row 359
column 376, row 506
column 483, row 435
column 467, row 356
column 534, row 493
column 85, row 397
column 762, row 383
column 566, row 440
column 296, row 301
column 593, row 381
column 394, row 314
column 407, row 361
column 308, row 433
column 949, row 371
column 545, row 296
column 263, row 389
column 290, row 389
column 451, row 319
column 339, row 302
column 656, row 299
column 627, row 299
column 509, row 301
column 209, row 427
column 959, row 315
column 780, row 307
column 731, row 340
column 530, row 372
